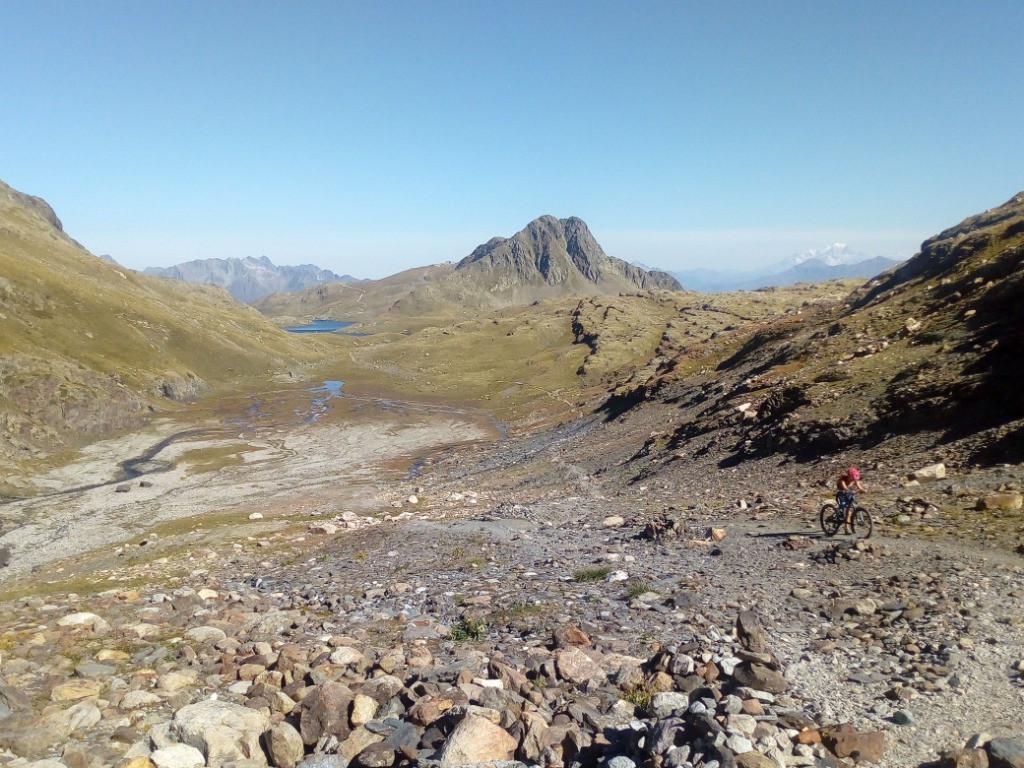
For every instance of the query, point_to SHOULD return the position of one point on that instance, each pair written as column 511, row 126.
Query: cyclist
column 845, row 484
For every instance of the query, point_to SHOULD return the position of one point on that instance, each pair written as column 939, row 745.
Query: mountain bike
column 833, row 517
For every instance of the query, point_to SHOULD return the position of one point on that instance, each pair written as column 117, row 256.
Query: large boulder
column 284, row 745
column 223, row 732
column 1006, row 753
column 325, row 712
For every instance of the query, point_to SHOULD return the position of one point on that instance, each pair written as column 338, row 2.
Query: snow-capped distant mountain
column 812, row 266
column 249, row 279
column 832, row 256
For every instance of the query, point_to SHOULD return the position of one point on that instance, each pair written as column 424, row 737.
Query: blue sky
column 373, row 137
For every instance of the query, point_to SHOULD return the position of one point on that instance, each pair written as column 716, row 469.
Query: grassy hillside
column 559, row 357
column 88, row 347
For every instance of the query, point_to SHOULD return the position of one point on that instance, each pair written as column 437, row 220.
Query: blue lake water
column 320, row 326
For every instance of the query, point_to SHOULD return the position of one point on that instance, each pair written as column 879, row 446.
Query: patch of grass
column 476, row 561
column 637, row 587
column 638, row 695
column 360, row 555
column 592, row 574
column 468, row 628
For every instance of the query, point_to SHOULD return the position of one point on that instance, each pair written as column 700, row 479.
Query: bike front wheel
column 862, row 523
column 830, row 520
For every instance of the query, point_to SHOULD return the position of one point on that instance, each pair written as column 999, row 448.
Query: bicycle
column 833, row 516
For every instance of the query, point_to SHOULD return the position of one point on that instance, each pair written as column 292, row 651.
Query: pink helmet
column 854, row 473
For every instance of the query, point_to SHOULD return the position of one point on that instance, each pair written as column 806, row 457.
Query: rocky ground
column 531, row 601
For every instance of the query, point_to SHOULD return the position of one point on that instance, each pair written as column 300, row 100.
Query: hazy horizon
column 672, row 251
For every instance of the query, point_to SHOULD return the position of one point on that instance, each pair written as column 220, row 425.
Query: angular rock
column 78, row 717
column 476, row 740
column 568, row 636
column 222, row 731
column 205, row 635
column 1006, row 753
column 575, row 666
column 76, row 689
column 844, row 740
column 931, row 472
column 1008, row 500
column 358, row 740
column 284, row 746
column 11, row 700
column 760, row 678
column 325, row 713
column 751, row 633
column 87, row 620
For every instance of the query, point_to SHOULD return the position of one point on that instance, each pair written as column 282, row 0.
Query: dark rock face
column 1006, row 753
column 560, row 251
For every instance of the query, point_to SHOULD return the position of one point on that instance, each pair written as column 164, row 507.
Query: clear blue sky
column 374, row 136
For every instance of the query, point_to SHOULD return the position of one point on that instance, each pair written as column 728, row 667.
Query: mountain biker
column 845, row 484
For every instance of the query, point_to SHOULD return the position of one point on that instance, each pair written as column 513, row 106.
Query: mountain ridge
column 548, row 257
column 250, row 278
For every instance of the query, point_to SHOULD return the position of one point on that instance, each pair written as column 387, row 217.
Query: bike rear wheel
column 862, row 523
column 830, row 520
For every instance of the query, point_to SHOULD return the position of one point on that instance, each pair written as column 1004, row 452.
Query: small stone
column 139, row 699
column 902, row 717
column 327, row 529
column 76, row 689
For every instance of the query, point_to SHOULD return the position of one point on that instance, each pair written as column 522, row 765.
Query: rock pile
column 200, row 678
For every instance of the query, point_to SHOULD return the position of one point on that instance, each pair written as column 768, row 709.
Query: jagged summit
column 559, row 252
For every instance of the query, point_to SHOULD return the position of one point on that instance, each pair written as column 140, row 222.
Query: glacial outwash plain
column 537, row 506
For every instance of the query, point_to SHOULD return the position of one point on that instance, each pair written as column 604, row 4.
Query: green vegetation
column 592, row 574
column 638, row 695
column 468, row 628
column 637, row 587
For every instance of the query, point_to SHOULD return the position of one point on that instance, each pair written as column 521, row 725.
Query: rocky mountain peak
column 559, row 252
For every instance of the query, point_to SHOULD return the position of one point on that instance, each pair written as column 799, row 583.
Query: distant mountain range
column 836, row 261
column 249, row 279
